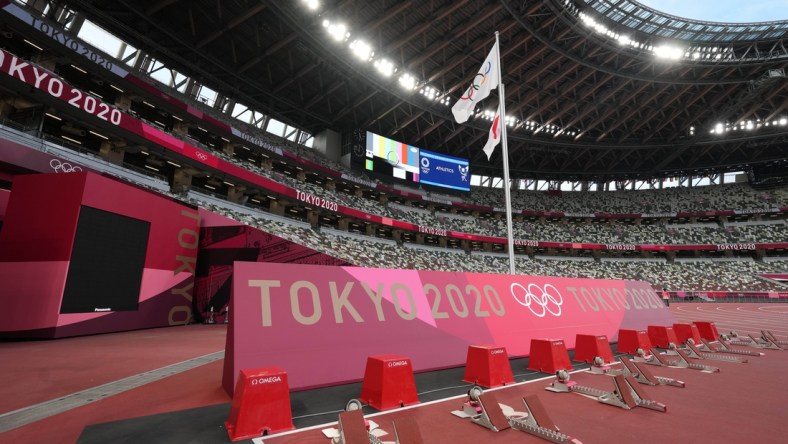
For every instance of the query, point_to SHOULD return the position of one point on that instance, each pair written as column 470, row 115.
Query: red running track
column 744, row 402
column 743, row 318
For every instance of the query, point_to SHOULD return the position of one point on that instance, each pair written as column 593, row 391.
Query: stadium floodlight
column 669, row 52
column 407, row 81
column 385, row 67
column 750, row 125
column 624, row 40
column 361, row 49
column 312, row 4
column 783, row 121
column 600, row 28
column 718, row 128
column 336, row 30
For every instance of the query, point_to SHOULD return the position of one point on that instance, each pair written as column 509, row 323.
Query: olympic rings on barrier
column 542, row 303
column 64, row 167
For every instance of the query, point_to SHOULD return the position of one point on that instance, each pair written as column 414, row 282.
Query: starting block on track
column 654, row 357
column 683, row 362
column 643, row 375
column 768, row 336
column 765, row 341
column 491, row 415
column 484, row 409
column 600, row 367
column 627, row 394
column 538, row 422
column 406, row 431
column 694, row 352
column 352, row 428
column 724, row 347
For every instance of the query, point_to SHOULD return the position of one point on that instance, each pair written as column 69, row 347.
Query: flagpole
column 505, row 153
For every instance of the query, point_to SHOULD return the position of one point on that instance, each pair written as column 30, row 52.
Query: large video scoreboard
column 387, row 157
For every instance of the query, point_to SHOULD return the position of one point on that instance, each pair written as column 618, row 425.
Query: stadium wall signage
column 295, row 316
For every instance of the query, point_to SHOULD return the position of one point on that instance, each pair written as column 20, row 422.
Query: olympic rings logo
column 540, row 300
column 481, row 77
column 202, row 156
column 63, row 167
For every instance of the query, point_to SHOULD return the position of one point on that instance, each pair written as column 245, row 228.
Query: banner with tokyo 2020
column 320, row 323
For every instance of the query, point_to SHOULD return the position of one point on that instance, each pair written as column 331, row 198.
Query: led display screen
column 388, row 157
column 444, row 171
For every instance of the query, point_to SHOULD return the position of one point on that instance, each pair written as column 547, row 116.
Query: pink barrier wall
column 320, row 323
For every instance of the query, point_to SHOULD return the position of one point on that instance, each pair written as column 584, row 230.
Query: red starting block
column 488, row 366
column 629, row 341
column 261, row 404
column 548, row 355
column 662, row 336
column 707, row 330
column 388, row 382
column 587, row 347
column 687, row 331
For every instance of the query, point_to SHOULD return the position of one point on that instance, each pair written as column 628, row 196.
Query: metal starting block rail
column 684, row 362
column 766, row 341
column 694, row 352
column 352, row 428
column 627, row 394
column 725, row 347
column 681, row 362
column 643, row 375
column 654, row 357
column 484, row 409
column 767, row 335
column 538, row 422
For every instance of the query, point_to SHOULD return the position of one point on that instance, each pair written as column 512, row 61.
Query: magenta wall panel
column 36, row 249
column 39, row 224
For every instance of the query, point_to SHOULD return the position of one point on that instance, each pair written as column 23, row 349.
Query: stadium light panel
column 385, row 67
column 336, row 30
column 624, row 40
column 312, row 4
column 407, row 81
column 783, row 121
column 668, row 52
column 361, row 49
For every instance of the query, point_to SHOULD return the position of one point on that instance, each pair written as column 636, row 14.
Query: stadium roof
column 595, row 88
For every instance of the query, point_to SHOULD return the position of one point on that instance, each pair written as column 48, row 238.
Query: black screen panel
column 105, row 272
